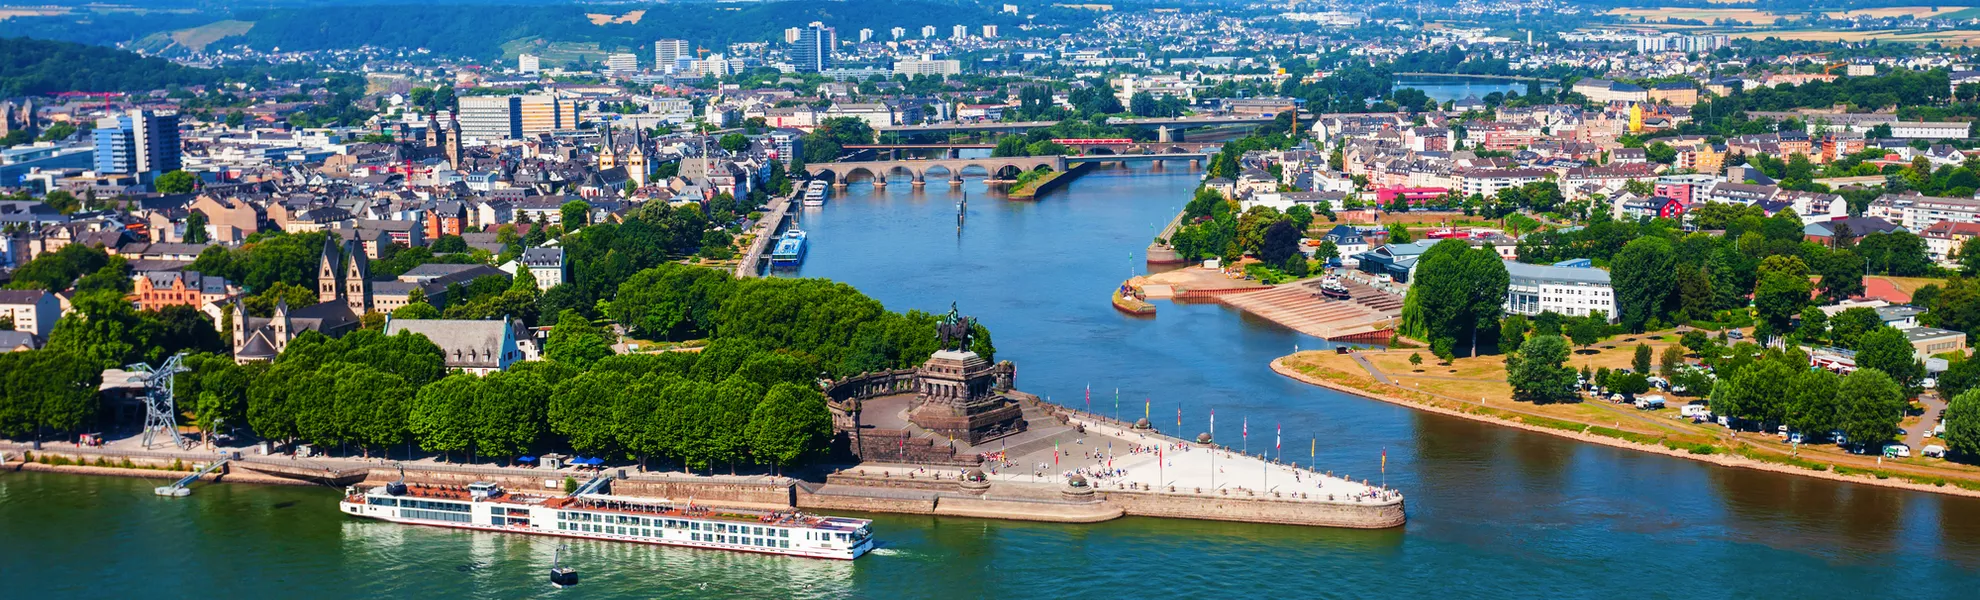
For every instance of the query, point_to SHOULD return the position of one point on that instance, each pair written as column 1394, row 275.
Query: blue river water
column 1494, row 512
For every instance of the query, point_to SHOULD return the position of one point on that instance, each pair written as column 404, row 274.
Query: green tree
column 1783, row 291
column 1643, row 276
column 442, row 416
column 575, row 214
column 1538, row 372
column 508, row 414
column 1813, row 408
column 176, row 182
column 1962, row 420
column 1456, row 296
column 583, row 410
column 1586, row 332
column 1669, row 361
column 1871, row 403
column 416, row 310
column 196, row 228
column 1842, row 275
column 790, row 424
column 1889, row 351
column 1512, row 332
column 576, row 341
column 1640, row 361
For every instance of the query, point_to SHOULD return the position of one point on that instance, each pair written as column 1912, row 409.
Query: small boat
column 1332, row 288
column 560, row 575
column 790, row 248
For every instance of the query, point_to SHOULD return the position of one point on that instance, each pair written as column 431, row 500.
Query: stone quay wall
column 1040, row 502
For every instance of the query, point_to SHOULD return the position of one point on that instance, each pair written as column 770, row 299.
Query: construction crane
column 159, row 411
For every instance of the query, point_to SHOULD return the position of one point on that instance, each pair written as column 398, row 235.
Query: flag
column 1244, row 430
column 1213, row 424
column 1146, row 405
column 1055, row 453
column 1089, row 397
column 1278, row 431
column 1385, row 461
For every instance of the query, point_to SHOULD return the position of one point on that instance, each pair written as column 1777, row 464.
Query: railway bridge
column 918, row 170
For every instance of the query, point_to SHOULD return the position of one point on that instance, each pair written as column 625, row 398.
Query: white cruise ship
column 487, row 507
column 814, row 193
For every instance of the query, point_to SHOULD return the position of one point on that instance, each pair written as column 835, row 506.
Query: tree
column 1870, row 404
column 1281, row 241
column 416, row 310
column 789, row 424
column 1512, row 332
column 176, row 182
column 1783, row 291
column 1962, row 420
column 1813, row 408
column 1457, row 295
column 1887, row 350
column 1643, row 277
column 442, row 417
column 1585, row 332
column 575, row 214
column 1814, row 323
column 1640, row 362
column 1842, row 276
column 582, row 410
column 508, row 414
column 734, row 142
column 1968, row 257
column 1849, row 325
column 1538, row 372
column 576, row 341
column 1416, row 359
column 1669, row 361
column 196, row 229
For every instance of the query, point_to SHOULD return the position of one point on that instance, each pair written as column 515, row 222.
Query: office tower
column 812, row 52
column 624, row 62
column 865, row 35
column 927, row 31
column 667, row 54
column 491, row 117
column 959, row 32
column 529, row 63
column 139, row 143
column 544, row 113
column 898, row 32
column 791, row 35
column 989, row 31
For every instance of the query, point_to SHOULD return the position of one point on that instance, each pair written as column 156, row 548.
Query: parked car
column 1735, row 334
column 1795, row 438
column 1837, row 435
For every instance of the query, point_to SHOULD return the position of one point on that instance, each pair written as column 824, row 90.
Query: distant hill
column 38, row 67
column 477, row 28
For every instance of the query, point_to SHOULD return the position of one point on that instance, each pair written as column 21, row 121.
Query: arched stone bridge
column 919, row 170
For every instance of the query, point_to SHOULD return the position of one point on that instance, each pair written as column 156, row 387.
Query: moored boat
column 485, row 506
column 790, row 248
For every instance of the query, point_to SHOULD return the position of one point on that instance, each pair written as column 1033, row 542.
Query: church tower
column 454, row 143
column 608, row 157
column 636, row 160
column 357, row 279
column 328, row 288
column 435, row 138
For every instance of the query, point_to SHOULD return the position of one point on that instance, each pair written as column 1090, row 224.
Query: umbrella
column 596, row 461
column 525, row 459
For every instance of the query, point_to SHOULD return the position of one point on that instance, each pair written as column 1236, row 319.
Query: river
column 1493, row 512
column 1455, row 87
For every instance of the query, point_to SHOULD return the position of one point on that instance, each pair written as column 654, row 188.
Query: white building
column 1929, row 130
column 989, row 32
column 899, row 32
column 33, row 311
column 959, row 32
column 924, row 66
column 622, row 62
column 928, row 31
column 474, row 347
column 1918, row 212
column 667, row 55
column 546, row 264
column 865, row 35
column 1571, row 291
column 529, row 63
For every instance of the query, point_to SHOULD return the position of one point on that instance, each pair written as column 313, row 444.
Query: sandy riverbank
column 1725, row 460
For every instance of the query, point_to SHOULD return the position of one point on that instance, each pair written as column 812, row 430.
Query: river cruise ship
column 487, row 507
column 814, row 193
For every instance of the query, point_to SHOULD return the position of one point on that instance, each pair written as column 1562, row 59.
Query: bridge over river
column 995, row 168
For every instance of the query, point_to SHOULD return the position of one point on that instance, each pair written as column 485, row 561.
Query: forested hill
column 480, row 30
column 38, row 67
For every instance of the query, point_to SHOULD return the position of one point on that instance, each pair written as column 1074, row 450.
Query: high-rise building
column 529, row 63
column 925, row 66
column 667, row 54
column 865, row 35
column 959, row 32
column 544, row 113
column 927, row 31
column 139, row 143
column 812, row 52
column 899, row 32
column 989, row 31
column 623, row 62
column 491, row 117
column 792, row 34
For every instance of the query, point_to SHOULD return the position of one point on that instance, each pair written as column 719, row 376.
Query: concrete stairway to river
column 1299, row 306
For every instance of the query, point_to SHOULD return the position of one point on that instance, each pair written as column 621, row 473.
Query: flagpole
column 1213, row 449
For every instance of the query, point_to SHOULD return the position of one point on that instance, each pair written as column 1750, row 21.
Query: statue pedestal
column 957, row 396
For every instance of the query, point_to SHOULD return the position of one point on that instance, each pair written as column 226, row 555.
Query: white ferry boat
column 814, row 193
column 485, row 506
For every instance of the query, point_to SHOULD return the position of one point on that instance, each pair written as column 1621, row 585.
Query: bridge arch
column 853, row 174
column 1100, row 151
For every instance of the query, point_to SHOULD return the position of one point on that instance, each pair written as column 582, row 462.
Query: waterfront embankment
column 1740, row 455
column 1045, row 183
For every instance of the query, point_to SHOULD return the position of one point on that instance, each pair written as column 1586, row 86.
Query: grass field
column 1920, row 12
column 9, row 12
column 1754, row 15
column 199, row 37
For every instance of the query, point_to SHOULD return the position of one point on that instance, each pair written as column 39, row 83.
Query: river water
column 1448, row 88
column 1493, row 512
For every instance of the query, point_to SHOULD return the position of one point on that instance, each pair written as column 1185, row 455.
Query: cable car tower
column 159, row 411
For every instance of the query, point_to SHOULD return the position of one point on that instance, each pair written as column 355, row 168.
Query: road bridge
column 1193, row 157
column 918, row 170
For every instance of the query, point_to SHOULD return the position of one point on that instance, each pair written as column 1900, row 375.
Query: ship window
column 759, row 531
column 498, row 521
column 784, row 533
column 783, row 543
column 694, row 537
